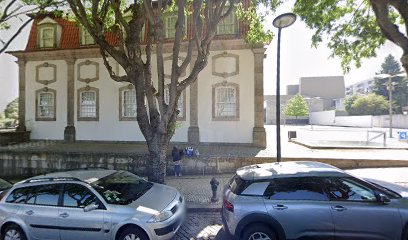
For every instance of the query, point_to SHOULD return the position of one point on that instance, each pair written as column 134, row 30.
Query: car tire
column 258, row 232
column 133, row 233
column 13, row 232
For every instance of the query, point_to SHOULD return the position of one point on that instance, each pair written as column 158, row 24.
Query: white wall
column 323, row 118
column 354, row 121
column 398, row 121
column 109, row 128
column 53, row 130
column 227, row 131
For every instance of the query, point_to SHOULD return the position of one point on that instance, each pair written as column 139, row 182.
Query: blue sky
column 298, row 59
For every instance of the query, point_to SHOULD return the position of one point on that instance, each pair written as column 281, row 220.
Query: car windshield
column 121, row 188
column 4, row 185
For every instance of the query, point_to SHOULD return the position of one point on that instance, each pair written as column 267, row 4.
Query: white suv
column 90, row 204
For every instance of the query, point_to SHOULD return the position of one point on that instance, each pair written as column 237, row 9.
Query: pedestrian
column 177, row 155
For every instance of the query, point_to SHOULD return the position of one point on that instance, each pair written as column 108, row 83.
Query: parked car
column 90, row 204
column 310, row 200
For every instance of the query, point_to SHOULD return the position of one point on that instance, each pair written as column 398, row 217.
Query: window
column 88, row 101
column 19, row 195
column 78, row 196
column 121, row 188
column 180, row 104
column 341, row 189
column 226, row 101
column 228, row 25
column 304, row 188
column 45, row 105
column 170, row 26
column 47, row 195
column 47, row 37
column 86, row 38
column 127, row 100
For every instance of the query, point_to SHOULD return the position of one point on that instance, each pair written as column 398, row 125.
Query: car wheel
column 13, row 232
column 133, row 233
column 258, row 232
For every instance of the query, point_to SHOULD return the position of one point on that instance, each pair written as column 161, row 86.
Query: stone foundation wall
column 25, row 164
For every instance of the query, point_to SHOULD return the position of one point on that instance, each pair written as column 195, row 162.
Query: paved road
column 202, row 226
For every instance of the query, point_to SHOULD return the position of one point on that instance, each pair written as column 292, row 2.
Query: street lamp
column 390, row 87
column 281, row 21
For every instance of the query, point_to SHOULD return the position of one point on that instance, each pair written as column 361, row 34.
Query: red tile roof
column 70, row 35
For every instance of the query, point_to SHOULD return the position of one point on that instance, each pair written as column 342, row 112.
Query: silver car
column 90, row 204
column 310, row 200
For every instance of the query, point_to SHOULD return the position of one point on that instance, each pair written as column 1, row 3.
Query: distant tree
column 371, row 104
column 348, row 103
column 11, row 110
column 296, row 107
column 400, row 91
column 390, row 65
column 9, row 117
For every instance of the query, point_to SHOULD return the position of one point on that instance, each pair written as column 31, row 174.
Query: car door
column 301, row 206
column 78, row 222
column 358, row 215
column 40, row 211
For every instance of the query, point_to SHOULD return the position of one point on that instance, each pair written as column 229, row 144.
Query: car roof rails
column 51, row 179
column 87, row 168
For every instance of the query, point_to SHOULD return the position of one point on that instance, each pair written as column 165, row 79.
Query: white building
column 66, row 92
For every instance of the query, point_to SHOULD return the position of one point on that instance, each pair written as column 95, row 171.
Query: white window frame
column 80, row 111
column 219, row 104
column 52, row 105
column 231, row 22
column 43, row 40
column 181, row 104
column 86, row 38
column 122, row 101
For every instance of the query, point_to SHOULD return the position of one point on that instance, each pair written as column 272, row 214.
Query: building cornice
column 94, row 52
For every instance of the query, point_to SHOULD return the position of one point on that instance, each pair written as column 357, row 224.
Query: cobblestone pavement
column 202, row 226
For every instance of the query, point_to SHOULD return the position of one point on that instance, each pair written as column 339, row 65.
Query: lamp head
column 284, row 20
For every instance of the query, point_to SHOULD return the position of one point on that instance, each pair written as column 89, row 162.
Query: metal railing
column 379, row 134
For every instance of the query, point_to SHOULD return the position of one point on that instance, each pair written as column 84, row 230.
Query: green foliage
column 296, row 107
column 400, row 90
column 390, row 65
column 11, row 110
column 9, row 117
column 350, row 26
column 348, row 102
column 371, row 104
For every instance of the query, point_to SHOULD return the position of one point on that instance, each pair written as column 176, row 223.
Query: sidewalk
column 197, row 190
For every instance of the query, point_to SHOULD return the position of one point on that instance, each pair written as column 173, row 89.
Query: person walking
column 177, row 155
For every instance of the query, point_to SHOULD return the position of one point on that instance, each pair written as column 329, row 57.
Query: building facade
column 66, row 92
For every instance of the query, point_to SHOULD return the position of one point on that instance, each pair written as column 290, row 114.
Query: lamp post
column 390, row 87
column 281, row 21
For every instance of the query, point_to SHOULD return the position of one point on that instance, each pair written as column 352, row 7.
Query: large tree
column 355, row 29
column 155, row 116
column 400, row 84
column 12, row 12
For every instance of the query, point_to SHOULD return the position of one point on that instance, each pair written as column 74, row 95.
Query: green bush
column 371, row 104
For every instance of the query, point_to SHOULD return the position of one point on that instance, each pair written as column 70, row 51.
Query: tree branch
column 19, row 30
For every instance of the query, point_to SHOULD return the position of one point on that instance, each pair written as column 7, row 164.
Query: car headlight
column 161, row 216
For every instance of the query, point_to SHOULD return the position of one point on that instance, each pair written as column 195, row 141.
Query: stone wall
column 18, row 165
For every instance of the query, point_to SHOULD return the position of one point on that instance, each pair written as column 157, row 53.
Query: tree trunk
column 157, row 158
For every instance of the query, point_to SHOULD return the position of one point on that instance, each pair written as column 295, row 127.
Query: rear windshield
column 237, row 185
column 121, row 188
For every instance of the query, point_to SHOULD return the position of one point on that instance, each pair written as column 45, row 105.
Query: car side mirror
column 381, row 198
column 91, row 207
